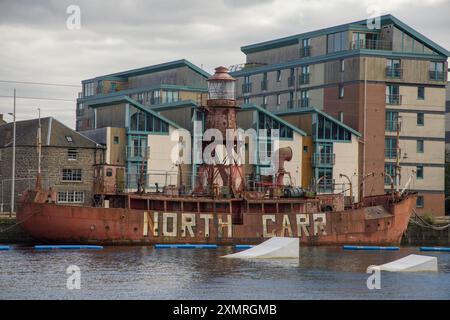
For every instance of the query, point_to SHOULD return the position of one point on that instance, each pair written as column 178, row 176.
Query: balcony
column 305, row 52
column 303, row 78
column 247, row 87
column 325, row 186
column 291, row 81
column 323, row 159
column 264, row 85
column 393, row 73
column 390, row 153
column 437, row 76
column 303, row 103
column 394, row 99
column 137, row 153
column 391, row 126
column 371, row 45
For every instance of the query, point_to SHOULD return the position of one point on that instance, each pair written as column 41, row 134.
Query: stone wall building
column 67, row 162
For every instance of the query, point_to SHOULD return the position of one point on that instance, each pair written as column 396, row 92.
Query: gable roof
column 322, row 113
column 360, row 25
column 120, row 99
column 53, row 134
column 123, row 75
column 273, row 116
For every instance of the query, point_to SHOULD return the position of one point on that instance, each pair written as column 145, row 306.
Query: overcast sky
column 37, row 46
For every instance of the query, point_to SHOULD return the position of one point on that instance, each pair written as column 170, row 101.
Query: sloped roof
column 326, row 115
column 123, row 75
column 273, row 116
column 385, row 19
column 53, row 133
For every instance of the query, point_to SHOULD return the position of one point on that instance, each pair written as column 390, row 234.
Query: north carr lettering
column 187, row 225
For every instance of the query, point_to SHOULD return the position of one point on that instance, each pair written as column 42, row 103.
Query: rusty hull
column 374, row 225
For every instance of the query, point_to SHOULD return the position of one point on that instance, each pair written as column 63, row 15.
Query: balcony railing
column 303, row 103
column 137, row 153
column 290, row 104
column 437, row 75
column 390, row 153
column 394, row 73
column 395, row 99
column 391, row 125
column 303, row 78
column 326, row 159
column 325, row 186
column 264, row 85
column 371, row 44
column 247, row 87
column 291, row 81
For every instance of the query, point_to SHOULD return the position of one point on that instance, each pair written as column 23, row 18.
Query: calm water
column 148, row 273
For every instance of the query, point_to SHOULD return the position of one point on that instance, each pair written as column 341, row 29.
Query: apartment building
column 375, row 80
column 161, row 84
column 118, row 111
column 67, row 161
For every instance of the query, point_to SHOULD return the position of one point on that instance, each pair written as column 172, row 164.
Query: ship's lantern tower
column 221, row 86
column 220, row 113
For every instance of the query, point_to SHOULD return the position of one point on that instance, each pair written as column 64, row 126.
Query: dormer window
column 69, row 139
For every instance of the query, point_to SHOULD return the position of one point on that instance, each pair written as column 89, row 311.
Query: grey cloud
column 119, row 35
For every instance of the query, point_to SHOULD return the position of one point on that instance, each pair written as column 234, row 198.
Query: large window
column 330, row 130
column 337, row 42
column 437, row 71
column 393, row 94
column 71, row 175
column 390, row 148
column 88, row 89
column 393, row 68
column 391, row 121
column 389, row 170
column 156, row 97
column 171, row 96
column 326, row 183
column 70, row 197
column 146, row 122
column 268, row 123
column 304, row 99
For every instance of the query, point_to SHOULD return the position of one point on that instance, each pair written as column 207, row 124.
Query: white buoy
column 411, row 263
column 274, row 248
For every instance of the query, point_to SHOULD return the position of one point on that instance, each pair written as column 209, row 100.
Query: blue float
column 4, row 248
column 185, row 246
column 243, row 246
column 370, row 248
column 67, row 247
column 441, row 249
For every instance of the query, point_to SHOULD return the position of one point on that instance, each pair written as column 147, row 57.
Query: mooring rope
column 425, row 224
column 17, row 223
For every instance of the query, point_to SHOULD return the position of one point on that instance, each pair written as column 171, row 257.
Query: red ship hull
column 377, row 223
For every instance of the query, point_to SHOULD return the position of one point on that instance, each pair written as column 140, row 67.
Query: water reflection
column 148, row 273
